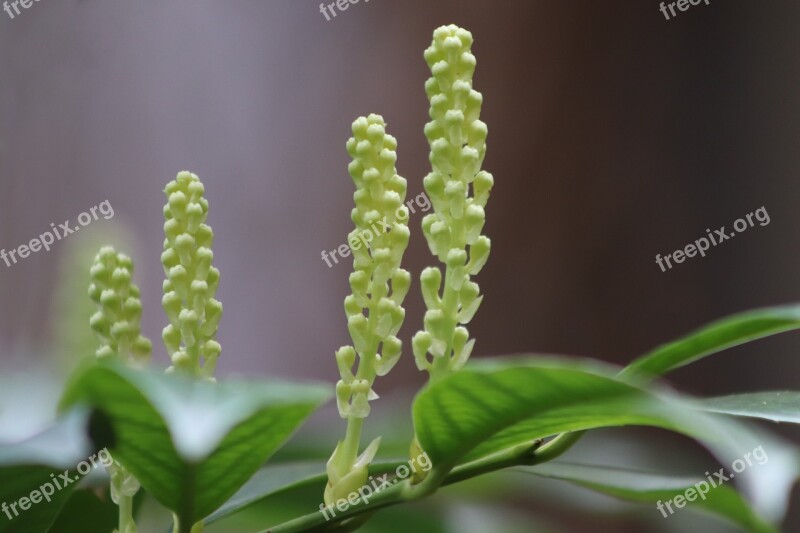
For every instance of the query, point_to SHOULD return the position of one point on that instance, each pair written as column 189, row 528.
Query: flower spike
column 459, row 191
column 191, row 284
column 117, row 322
column 378, row 287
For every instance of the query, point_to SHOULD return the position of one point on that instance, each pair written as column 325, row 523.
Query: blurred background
column 614, row 135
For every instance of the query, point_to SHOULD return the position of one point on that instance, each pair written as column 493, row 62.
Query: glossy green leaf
column 493, row 406
column 776, row 406
column 715, row 337
column 192, row 444
column 29, row 468
column 656, row 489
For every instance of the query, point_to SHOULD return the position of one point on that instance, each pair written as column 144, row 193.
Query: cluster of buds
column 117, row 322
column 378, row 283
column 458, row 190
column 191, row 281
column 378, row 287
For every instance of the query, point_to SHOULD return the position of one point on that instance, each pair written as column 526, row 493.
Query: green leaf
column 269, row 481
column 655, row 489
column 30, row 466
column 276, row 479
column 777, row 406
column 497, row 405
column 715, row 337
column 85, row 503
column 192, row 444
column 93, row 499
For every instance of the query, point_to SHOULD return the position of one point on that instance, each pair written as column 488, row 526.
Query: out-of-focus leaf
column 86, row 512
column 192, row 444
column 777, row 406
column 30, row 468
column 654, row 489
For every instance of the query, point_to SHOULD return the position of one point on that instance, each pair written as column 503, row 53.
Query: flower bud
column 392, row 348
column 478, row 255
column 401, row 282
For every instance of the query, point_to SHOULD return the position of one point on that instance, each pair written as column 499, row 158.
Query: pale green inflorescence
column 117, row 322
column 374, row 309
column 458, row 190
column 192, row 281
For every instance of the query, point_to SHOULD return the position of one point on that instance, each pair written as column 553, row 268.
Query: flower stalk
column 192, row 281
column 459, row 191
column 118, row 326
column 374, row 308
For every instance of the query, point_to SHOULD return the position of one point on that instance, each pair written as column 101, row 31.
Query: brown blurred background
column 614, row 135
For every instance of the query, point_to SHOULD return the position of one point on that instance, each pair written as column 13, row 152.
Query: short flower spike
column 194, row 314
column 117, row 322
column 378, row 287
column 458, row 190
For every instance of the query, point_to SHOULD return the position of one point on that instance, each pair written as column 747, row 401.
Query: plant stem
column 450, row 300
column 522, row 455
column 352, row 440
column 366, row 370
column 125, row 504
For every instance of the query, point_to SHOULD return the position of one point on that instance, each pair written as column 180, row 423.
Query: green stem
column 522, row 455
column 450, row 300
column 187, row 505
column 366, row 370
column 441, row 365
column 316, row 521
column 125, row 504
column 352, row 441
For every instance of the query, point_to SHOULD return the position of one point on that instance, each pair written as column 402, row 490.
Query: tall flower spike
column 458, row 190
column 117, row 322
column 378, row 287
column 194, row 314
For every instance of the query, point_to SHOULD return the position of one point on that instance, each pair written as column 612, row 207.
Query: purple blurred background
column 615, row 135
